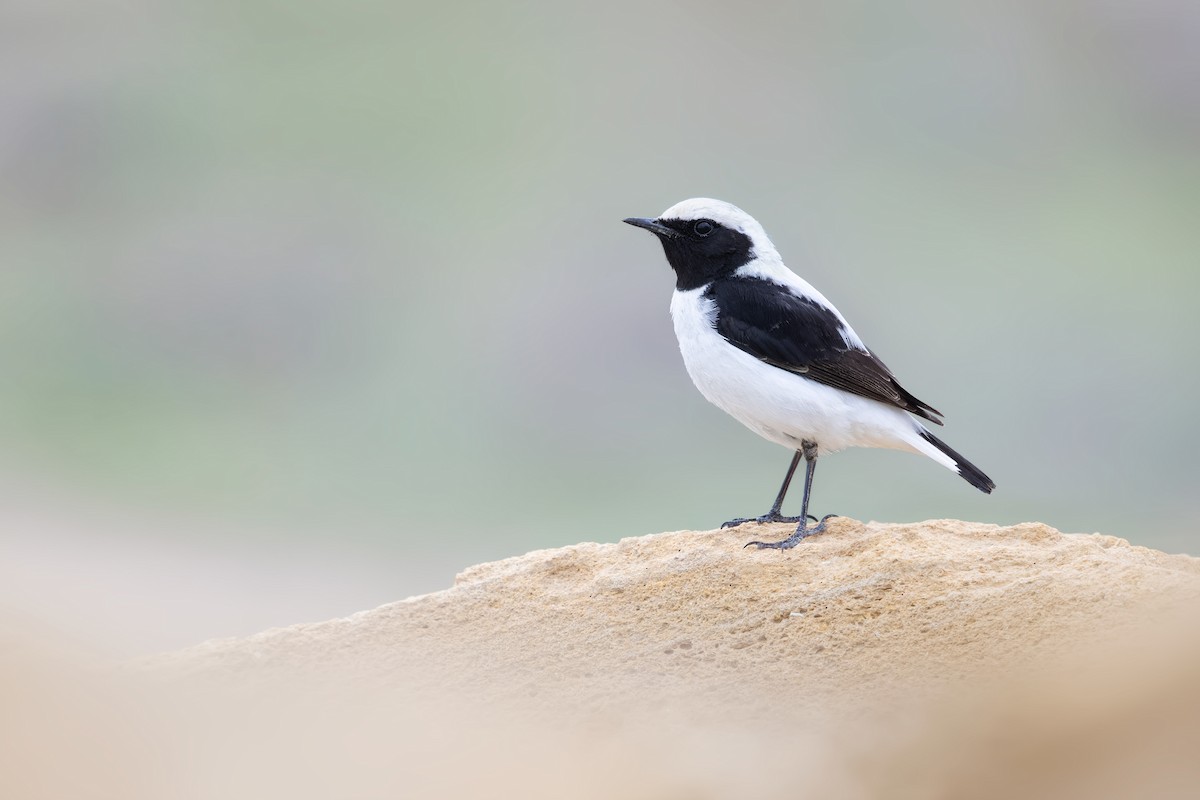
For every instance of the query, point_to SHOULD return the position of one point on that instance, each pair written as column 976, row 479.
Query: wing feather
column 805, row 337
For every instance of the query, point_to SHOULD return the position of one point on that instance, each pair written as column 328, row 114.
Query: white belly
column 778, row 405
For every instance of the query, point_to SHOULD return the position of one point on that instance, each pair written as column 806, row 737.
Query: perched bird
column 768, row 349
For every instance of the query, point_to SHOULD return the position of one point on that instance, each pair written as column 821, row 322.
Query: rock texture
column 937, row 659
column 674, row 614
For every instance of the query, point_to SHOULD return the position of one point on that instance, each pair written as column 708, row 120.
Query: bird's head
column 705, row 239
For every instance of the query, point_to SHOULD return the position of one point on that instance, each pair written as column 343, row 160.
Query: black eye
column 702, row 227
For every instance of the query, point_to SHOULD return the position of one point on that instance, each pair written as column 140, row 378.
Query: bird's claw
column 765, row 519
column 802, row 532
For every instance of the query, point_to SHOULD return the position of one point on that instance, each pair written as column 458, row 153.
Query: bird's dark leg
column 773, row 515
column 809, row 451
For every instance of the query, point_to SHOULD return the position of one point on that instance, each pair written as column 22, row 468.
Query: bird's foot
column 765, row 519
column 802, row 532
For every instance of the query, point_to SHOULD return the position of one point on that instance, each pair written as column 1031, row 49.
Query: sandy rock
column 937, row 659
column 863, row 607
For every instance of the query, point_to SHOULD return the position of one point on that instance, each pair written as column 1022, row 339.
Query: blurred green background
column 306, row 305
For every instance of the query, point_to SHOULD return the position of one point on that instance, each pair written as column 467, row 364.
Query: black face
column 701, row 250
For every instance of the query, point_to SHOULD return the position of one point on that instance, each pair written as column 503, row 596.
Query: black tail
column 969, row 472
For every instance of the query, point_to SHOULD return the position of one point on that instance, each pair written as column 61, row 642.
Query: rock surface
column 676, row 613
column 936, row 659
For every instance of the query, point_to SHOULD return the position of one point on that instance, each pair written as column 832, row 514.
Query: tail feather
column 969, row 472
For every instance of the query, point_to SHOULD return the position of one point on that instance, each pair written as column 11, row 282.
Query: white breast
column 779, row 406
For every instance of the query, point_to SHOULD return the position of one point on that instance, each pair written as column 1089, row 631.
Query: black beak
column 654, row 226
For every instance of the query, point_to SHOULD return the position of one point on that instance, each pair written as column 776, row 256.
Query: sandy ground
column 939, row 659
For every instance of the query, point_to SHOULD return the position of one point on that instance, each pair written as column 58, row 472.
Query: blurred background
column 307, row 305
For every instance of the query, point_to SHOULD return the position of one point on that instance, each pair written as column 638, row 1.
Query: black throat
column 699, row 260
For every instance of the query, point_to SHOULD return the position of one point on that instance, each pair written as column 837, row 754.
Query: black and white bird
column 767, row 348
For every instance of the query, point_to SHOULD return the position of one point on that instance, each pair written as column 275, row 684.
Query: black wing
column 802, row 336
